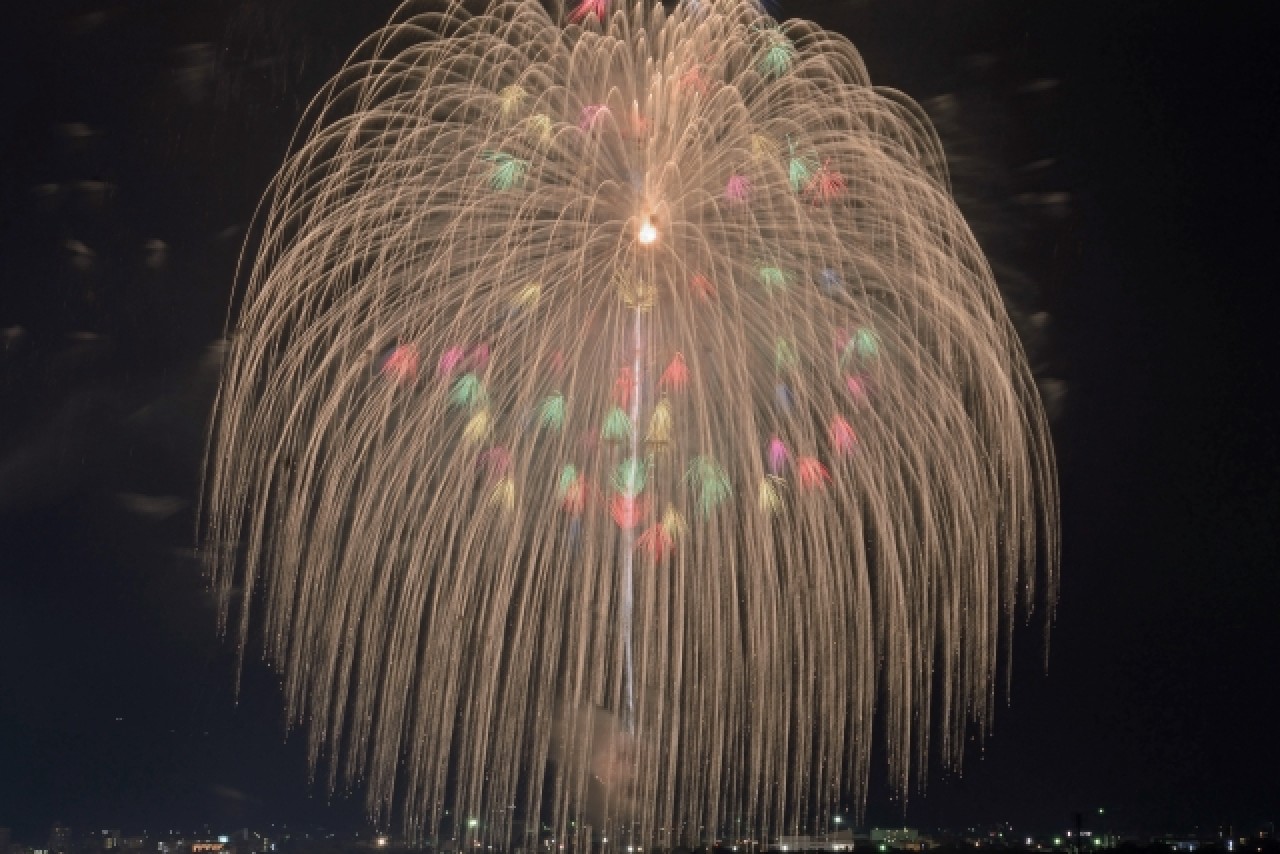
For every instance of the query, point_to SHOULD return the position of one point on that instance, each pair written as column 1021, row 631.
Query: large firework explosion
column 621, row 423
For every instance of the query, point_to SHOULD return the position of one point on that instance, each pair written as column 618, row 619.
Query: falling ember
column 540, row 560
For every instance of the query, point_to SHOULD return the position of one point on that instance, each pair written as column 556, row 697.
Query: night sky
column 137, row 136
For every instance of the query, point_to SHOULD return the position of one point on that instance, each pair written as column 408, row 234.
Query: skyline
column 1087, row 833
column 1167, row 499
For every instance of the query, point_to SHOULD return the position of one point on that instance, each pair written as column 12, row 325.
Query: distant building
column 898, row 839
column 208, row 846
column 840, row 840
column 4, row 840
column 100, row 842
column 60, row 839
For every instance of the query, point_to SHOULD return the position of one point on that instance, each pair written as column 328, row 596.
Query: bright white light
column 647, row 234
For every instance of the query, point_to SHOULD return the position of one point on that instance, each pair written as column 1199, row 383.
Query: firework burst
column 606, row 460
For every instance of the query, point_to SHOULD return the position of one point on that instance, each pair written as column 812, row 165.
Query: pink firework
column 843, row 439
column 676, row 376
column 694, row 80
column 450, row 359
column 496, row 462
column 558, row 363
column 590, row 116
column 826, row 185
column 623, row 386
column 738, row 189
column 656, row 542
column 859, row 386
column 627, row 511
column 778, row 455
column 588, row 8
column 402, row 365
column 812, row 473
column 702, row 286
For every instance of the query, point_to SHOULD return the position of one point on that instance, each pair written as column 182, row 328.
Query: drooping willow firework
column 621, row 418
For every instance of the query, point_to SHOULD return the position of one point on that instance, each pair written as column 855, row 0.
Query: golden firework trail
column 622, row 427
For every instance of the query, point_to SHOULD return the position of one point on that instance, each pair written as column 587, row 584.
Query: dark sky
column 1148, row 243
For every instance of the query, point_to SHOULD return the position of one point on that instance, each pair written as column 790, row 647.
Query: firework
column 619, row 419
